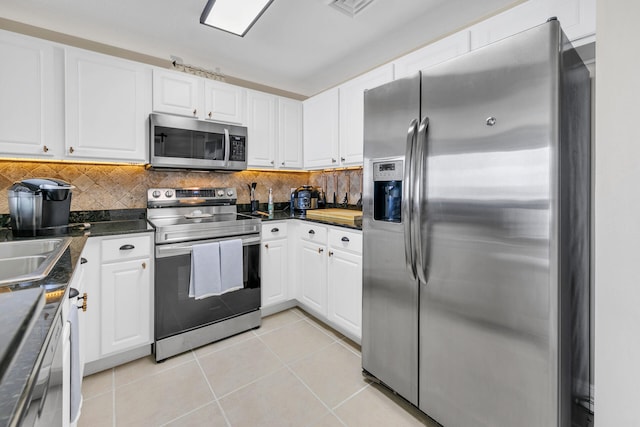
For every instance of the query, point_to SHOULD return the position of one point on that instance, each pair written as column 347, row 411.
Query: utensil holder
column 254, row 206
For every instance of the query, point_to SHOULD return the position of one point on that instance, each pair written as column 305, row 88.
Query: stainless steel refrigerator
column 476, row 234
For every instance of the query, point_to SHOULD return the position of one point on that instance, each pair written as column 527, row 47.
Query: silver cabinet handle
column 127, row 247
column 71, row 150
column 345, row 239
column 312, row 232
column 45, row 148
column 275, row 230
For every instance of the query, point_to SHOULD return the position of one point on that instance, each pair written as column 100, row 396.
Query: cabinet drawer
column 347, row 240
column 128, row 247
column 274, row 230
column 313, row 233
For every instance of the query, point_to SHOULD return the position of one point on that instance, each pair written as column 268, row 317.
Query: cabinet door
column 320, row 130
column 125, row 305
column 352, row 113
column 177, row 93
column 313, row 277
column 30, row 119
column 432, row 54
column 344, row 282
column 224, row 102
column 273, row 271
column 107, row 107
column 261, row 124
column 91, row 273
column 289, row 133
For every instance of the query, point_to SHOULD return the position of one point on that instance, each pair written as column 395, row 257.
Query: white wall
column 617, row 214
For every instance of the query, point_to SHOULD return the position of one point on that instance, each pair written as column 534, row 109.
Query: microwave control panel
column 237, row 152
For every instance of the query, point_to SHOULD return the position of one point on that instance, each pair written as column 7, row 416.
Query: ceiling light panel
column 233, row 16
column 350, row 7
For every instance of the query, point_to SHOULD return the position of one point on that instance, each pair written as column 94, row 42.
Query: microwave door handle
column 406, row 198
column 227, row 147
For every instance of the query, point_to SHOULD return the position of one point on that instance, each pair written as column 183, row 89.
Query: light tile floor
column 292, row 371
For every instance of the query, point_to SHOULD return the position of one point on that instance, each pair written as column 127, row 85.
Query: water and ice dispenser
column 387, row 190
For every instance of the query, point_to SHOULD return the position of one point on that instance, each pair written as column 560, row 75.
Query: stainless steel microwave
column 186, row 143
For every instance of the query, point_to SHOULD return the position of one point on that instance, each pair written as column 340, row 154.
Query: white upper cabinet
column 289, row 134
column 351, row 109
column 432, row 54
column 177, row 93
column 261, row 126
column 30, row 113
column 224, row 102
column 320, row 131
column 577, row 18
column 275, row 131
column 183, row 94
column 108, row 101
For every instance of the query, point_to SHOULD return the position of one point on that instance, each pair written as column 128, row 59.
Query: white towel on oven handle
column 231, row 265
column 205, row 271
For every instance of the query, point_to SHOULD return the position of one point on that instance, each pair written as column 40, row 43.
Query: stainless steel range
column 183, row 218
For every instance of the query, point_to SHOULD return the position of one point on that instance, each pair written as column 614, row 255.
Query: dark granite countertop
column 16, row 384
column 18, row 381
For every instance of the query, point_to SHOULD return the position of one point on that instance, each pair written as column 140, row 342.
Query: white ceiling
column 300, row 46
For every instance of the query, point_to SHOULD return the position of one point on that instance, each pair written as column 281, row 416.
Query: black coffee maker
column 39, row 206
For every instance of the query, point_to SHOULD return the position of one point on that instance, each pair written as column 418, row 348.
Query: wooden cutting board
column 342, row 216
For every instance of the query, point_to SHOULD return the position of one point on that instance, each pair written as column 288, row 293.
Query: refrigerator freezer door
column 488, row 313
column 390, row 293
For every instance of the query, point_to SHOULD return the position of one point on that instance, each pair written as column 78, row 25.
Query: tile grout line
column 286, row 365
column 215, row 397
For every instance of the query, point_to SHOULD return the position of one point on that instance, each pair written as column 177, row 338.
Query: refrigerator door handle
column 409, row 250
column 419, row 189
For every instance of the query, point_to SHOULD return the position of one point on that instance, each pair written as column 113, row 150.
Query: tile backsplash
column 101, row 187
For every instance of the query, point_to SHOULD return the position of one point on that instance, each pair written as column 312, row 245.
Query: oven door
column 176, row 312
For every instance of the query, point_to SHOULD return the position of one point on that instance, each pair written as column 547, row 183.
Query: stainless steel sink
column 28, row 260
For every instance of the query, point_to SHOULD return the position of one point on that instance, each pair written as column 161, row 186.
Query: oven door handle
column 175, row 249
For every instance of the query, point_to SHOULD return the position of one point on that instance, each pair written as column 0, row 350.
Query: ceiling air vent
column 350, row 7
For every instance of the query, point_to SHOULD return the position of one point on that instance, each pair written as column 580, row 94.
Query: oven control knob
column 156, row 194
column 168, row 193
column 229, row 193
column 220, row 193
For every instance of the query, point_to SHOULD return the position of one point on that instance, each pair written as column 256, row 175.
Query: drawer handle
column 275, row 230
column 345, row 239
column 312, row 232
column 83, row 260
column 127, row 247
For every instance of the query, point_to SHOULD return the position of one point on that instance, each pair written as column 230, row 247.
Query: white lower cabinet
column 313, row 278
column 274, row 254
column 125, row 305
column 119, row 283
column 329, row 275
column 344, row 280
